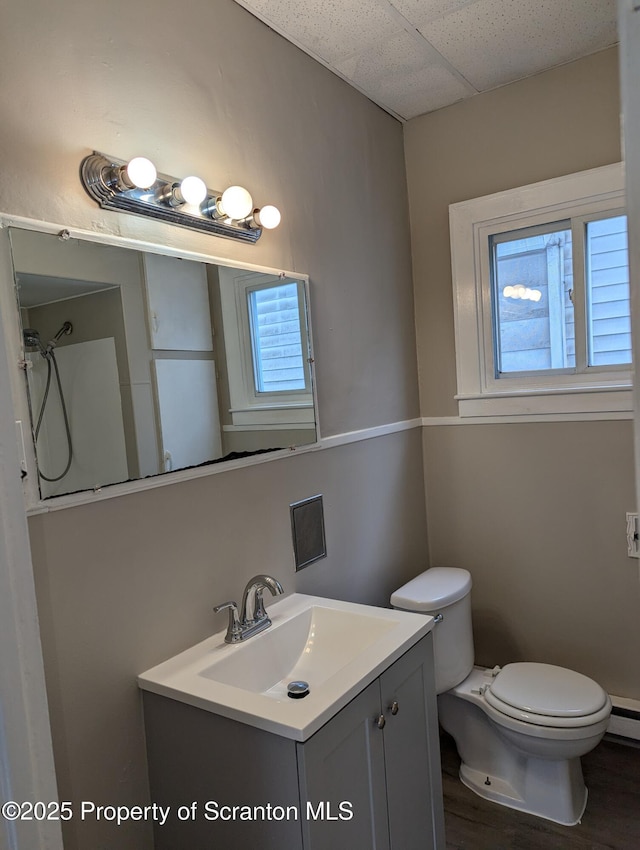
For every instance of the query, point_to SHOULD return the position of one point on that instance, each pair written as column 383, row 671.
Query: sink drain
column 297, row 690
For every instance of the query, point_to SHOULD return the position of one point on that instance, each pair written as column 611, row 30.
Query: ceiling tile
column 492, row 42
column 330, row 29
column 414, row 56
column 420, row 12
column 402, row 76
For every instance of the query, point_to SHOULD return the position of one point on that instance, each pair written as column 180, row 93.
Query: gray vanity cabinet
column 414, row 783
column 342, row 767
column 381, row 755
column 369, row 779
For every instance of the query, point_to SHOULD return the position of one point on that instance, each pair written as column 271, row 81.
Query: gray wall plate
column 307, row 528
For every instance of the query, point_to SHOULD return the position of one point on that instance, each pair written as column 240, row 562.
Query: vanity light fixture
column 138, row 173
column 136, row 187
column 235, row 202
column 267, row 217
column 192, row 190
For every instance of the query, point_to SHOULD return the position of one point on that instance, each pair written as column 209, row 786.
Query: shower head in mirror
column 32, row 341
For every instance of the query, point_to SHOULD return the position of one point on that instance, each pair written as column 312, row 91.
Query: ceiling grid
column 415, row 56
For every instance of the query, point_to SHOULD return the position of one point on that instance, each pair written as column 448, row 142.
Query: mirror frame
column 10, row 316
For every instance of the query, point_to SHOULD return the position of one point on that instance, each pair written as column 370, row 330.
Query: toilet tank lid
column 433, row 589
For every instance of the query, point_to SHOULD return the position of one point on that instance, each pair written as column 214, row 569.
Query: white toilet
column 521, row 729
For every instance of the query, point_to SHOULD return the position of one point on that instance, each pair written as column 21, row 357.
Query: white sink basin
column 312, row 645
column 337, row 647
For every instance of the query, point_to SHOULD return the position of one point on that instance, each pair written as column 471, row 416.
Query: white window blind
column 277, row 342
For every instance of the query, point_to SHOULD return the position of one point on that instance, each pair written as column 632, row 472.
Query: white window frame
column 250, row 409
column 580, row 197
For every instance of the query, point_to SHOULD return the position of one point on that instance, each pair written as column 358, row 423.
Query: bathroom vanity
column 321, row 773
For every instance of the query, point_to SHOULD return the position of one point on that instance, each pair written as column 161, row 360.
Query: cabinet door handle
column 394, row 707
column 380, row 721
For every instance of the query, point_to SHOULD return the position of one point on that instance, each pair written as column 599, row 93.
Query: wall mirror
column 139, row 364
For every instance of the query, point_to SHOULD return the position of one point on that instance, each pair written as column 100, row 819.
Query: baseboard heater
column 625, row 718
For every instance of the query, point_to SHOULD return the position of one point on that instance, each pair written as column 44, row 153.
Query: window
column 541, row 285
column 533, row 292
column 267, row 348
column 534, row 296
column 276, row 339
column 608, row 302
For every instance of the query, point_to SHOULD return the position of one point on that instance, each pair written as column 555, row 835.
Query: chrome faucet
column 252, row 618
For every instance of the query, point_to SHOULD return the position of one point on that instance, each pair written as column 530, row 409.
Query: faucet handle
column 233, row 634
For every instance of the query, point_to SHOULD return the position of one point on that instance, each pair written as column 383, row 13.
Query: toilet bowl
column 520, row 730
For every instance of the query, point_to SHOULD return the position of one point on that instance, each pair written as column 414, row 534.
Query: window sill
column 267, row 414
column 306, row 426
column 607, row 403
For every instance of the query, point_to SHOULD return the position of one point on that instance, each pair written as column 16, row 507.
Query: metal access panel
column 307, row 528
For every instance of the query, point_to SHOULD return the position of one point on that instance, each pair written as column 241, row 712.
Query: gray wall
column 537, row 514
column 535, row 511
column 126, row 582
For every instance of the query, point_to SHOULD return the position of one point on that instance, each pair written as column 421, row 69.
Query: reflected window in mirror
column 267, row 348
column 277, row 343
column 134, row 361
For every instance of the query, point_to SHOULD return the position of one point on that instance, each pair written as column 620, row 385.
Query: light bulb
column 193, row 190
column 236, row 202
column 268, row 217
column 141, row 172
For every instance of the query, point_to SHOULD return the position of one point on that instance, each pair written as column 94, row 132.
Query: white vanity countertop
column 337, row 647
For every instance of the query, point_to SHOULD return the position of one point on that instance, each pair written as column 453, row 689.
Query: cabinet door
column 342, row 780
column 412, row 751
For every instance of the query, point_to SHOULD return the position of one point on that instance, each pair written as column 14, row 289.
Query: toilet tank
column 444, row 593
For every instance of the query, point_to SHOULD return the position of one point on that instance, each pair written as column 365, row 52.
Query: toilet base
column 529, row 773
column 497, row 790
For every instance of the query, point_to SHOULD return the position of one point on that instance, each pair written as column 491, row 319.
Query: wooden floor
column 610, row 822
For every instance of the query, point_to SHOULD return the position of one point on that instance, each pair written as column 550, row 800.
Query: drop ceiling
column 414, row 56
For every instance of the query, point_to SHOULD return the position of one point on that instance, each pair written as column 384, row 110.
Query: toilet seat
column 546, row 695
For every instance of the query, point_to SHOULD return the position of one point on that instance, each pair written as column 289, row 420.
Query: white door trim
column 27, row 771
column 629, row 32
